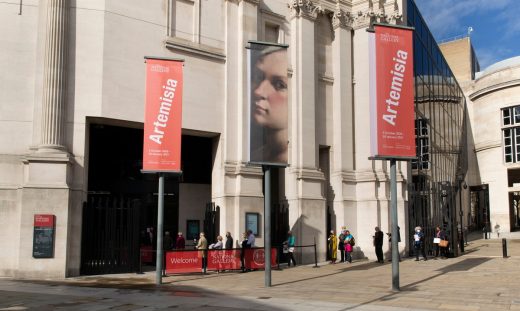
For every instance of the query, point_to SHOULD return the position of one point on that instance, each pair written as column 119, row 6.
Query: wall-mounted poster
column 43, row 236
column 253, row 223
column 268, row 103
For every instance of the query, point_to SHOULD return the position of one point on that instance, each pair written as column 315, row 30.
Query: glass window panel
column 508, row 158
column 517, row 114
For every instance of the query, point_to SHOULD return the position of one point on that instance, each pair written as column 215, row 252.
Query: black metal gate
column 212, row 222
column 279, row 224
column 110, row 239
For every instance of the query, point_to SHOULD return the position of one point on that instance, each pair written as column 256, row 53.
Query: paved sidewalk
column 479, row 280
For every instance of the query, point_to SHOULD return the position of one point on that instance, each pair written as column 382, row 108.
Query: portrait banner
column 391, row 92
column 163, row 116
column 268, row 103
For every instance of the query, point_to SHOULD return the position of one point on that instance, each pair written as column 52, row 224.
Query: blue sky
column 495, row 23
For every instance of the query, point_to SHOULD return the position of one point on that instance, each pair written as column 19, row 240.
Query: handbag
column 436, row 240
column 443, row 243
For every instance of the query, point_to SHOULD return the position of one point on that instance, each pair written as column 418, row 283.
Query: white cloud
column 444, row 17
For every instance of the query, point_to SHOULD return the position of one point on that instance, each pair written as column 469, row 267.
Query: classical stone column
column 342, row 176
column 55, row 77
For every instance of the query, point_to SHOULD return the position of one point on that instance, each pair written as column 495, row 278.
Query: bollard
column 504, row 248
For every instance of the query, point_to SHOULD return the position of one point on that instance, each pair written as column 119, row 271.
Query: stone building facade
column 76, row 69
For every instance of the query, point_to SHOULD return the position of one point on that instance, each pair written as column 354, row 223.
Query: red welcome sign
column 163, row 116
column 191, row 261
column 392, row 94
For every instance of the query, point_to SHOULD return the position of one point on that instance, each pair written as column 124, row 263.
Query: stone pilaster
column 47, row 172
column 307, row 206
column 342, row 115
column 55, row 77
column 241, row 190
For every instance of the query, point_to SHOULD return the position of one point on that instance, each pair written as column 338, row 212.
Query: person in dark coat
column 229, row 240
column 378, row 244
column 180, row 243
column 167, row 242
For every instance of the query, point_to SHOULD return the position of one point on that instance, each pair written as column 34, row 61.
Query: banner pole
column 267, row 224
column 160, row 212
column 395, row 234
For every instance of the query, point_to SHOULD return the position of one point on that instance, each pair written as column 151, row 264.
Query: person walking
column 349, row 246
column 378, row 244
column 180, row 243
column 202, row 245
column 229, row 240
column 418, row 238
column 333, row 247
column 290, row 242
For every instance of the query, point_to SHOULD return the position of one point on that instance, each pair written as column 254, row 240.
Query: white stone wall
column 489, row 94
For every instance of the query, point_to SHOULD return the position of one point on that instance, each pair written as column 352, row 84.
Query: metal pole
column 395, row 234
column 160, row 212
column 267, row 224
column 504, row 248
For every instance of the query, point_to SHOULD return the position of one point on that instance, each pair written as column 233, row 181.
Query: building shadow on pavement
column 464, row 265
column 52, row 295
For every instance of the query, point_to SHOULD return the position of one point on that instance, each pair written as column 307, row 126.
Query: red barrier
column 182, row 262
column 191, row 261
column 255, row 258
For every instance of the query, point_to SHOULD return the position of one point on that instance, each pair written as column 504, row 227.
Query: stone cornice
column 493, row 88
column 305, row 8
column 308, row 173
column 254, row 2
column 242, row 169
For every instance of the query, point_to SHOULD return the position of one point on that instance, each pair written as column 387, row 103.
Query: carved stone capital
column 342, row 19
column 305, row 8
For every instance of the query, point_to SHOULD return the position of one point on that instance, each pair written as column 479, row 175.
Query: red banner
column 163, row 116
column 191, row 261
column 392, row 94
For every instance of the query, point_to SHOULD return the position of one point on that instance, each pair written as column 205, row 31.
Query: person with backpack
column 349, row 245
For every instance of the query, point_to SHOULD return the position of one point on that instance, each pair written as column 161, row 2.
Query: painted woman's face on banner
column 268, row 104
column 269, row 86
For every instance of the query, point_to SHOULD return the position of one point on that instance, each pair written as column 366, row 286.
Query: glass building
column 439, row 169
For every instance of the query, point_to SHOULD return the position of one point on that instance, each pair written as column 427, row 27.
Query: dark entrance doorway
column 479, row 208
column 121, row 202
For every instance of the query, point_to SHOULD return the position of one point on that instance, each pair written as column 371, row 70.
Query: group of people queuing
column 440, row 242
column 344, row 242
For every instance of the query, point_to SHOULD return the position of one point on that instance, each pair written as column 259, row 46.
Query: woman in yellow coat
column 333, row 246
